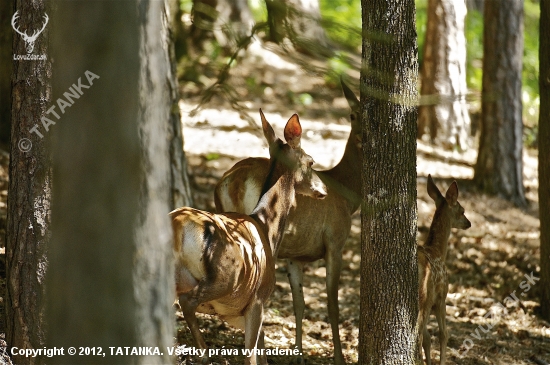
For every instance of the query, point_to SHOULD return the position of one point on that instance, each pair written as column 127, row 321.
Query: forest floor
column 487, row 263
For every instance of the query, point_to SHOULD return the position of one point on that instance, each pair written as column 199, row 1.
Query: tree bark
column 300, row 22
column 180, row 185
column 226, row 20
column 499, row 167
column 444, row 111
column 29, row 193
column 389, row 278
column 544, row 157
column 6, row 53
column 110, row 281
column 153, row 270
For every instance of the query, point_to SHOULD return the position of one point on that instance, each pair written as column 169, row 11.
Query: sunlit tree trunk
column 544, row 157
column 389, row 278
column 110, row 280
column 499, row 167
column 299, row 21
column 444, row 111
column 226, row 20
column 29, row 192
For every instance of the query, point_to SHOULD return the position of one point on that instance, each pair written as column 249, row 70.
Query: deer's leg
column 189, row 301
column 334, row 268
column 262, row 359
column 426, row 344
column 296, row 279
column 423, row 338
column 253, row 318
column 188, row 306
column 440, row 314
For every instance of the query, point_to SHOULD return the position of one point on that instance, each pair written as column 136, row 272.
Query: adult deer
column 432, row 272
column 316, row 229
column 225, row 263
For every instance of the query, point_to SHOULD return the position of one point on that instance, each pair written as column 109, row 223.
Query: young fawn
column 432, row 272
column 225, row 263
column 317, row 229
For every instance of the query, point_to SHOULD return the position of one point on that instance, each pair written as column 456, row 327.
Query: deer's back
column 232, row 246
column 311, row 224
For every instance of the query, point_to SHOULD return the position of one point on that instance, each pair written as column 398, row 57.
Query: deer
column 225, row 262
column 316, row 229
column 432, row 271
column 29, row 40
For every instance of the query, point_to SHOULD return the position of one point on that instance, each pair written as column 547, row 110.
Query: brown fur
column 225, row 262
column 316, row 229
column 432, row 272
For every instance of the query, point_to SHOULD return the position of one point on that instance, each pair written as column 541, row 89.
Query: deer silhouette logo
column 29, row 40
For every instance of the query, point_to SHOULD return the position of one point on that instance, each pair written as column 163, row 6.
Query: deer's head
column 293, row 158
column 29, row 40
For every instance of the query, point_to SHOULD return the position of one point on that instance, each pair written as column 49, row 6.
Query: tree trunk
column 544, row 157
column 444, row 111
column 300, row 22
column 110, row 281
column 29, row 192
column 154, row 286
column 305, row 24
column 226, row 20
column 499, row 167
column 234, row 21
column 6, row 53
column 389, row 278
column 180, row 186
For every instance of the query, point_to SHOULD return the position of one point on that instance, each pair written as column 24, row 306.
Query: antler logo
column 29, row 41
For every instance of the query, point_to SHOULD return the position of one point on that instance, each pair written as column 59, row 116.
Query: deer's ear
column 350, row 95
column 452, row 193
column 433, row 191
column 268, row 130
column 293, row 131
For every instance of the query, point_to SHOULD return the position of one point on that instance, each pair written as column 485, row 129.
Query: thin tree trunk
column 29, row 192
column 444, row 113
column 180, row 186
column 389, row 278
column 276, row 18
column 499, row 167
column 544, row 157
column 6, row 53
column 110, row 281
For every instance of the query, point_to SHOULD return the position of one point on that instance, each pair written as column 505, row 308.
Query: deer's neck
column 440, row 230
column 345, row 177
column 273, row 208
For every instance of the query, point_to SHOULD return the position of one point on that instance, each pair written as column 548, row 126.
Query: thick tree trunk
column 29, row 193
column 153, row 263
column 544, row 157
column 444, row 113
column 499, row 167
column 6, row 53
column 110, row 280
column 389, row 277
